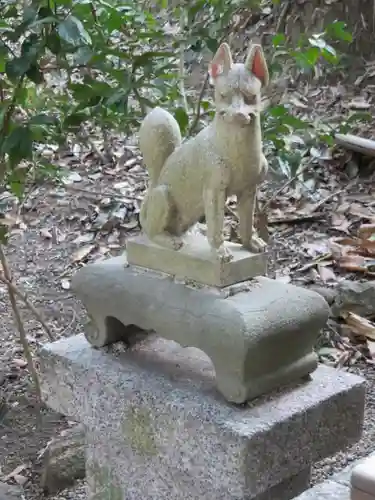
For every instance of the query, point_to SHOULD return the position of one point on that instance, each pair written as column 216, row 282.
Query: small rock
column 329, row 294
column 355, row 296
column 63, row 461
column 8, row 492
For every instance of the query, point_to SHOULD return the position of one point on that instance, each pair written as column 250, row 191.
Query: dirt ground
column 90, row 215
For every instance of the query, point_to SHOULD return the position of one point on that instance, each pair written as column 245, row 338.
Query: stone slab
column 63, row 461
column 363, row 479
column 259, row 335
column 344, row 477
column 289, row 488
column 10, row 492
column 328, row 490
column 194, row 261
column 155, row 411
column 110, row 482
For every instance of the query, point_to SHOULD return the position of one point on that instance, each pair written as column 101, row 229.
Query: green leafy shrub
column 70, row 67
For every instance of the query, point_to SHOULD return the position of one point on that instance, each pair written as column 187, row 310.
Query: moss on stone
column 137, row 428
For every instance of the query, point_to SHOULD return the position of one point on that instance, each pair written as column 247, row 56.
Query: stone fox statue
column 194, row 178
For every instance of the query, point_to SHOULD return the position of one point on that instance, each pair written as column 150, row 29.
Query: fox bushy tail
column 159, row 136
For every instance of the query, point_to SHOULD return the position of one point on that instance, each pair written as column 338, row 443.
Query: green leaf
column 278, row 39
column 4, row 234
column 53, row 42
column 72, row 31
column 43, row 119
column 359, row 116
column 74, row 120
column 17, row 181
column 19, row 144
column 337, row 31
column 35, row 75
column 17, row 67
column 212, row 44
column 182, row 119
column 2, row 63
column 148, row 58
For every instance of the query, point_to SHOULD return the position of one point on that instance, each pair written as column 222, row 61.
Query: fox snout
column 240, row 116
column 243, row 117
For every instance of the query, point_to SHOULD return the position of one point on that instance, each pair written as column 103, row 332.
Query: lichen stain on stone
column 138, row 430
column 104, row 487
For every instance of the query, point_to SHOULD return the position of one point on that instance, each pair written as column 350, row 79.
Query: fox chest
column 244, row 169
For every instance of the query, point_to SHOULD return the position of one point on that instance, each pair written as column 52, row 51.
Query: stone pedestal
column 363, row 480
column 194, row 260
column 158, row 429
column 258, row 334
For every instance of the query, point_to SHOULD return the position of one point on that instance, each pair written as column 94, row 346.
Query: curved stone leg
column 109, row 330
column 258, row 339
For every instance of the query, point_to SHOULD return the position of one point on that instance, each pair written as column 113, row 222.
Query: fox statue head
column 238, row 86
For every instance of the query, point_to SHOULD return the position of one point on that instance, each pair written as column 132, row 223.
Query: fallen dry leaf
column 367, row 232
column 357, row 263
column 84, row 238
column 45, row 233
column 326, row 273
column 360, row 325
column 82, row 253
column 20, row 480
column 15, row 472
column 21, row 363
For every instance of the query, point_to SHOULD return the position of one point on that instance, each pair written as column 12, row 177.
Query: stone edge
column 338, row 483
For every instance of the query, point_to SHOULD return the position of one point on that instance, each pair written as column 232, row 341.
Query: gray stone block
column 289, row 488
column 194, row 261
column 344, row 477
column 328, row 490
column 258, row 336
column 9, row 492
column 363, row 479
column 63, row 461
column 158, row 428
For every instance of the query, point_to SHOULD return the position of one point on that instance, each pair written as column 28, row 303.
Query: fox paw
column 168, row 241
column 256, row 244
column 222, row 253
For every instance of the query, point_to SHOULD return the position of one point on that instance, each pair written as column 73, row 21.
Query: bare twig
column 28, row 304
column 284, row 186
column 19, row 323
column 86, row 136
column 328, row 198
column 182, row 61
column 283, row 14
column 200, row 97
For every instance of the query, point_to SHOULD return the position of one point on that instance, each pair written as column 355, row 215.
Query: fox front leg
column 214, row 204
column 246, row 208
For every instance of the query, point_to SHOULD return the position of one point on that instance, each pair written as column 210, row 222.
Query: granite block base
column 157, row 427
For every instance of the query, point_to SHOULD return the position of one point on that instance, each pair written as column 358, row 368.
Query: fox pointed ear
column 221, row 63
column 256, row 64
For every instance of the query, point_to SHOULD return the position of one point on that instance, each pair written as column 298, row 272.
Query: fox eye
column 250, row 99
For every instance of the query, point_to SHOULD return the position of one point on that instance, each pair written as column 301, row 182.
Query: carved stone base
column 158, row 430
column 194, row 261
column 258, row 337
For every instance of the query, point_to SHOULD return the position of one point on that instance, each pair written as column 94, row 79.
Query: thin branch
column 86, row 137
column 284, row 186
column 182, row 62
column 29, row 305
column 19, row 323
column 200, row 97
